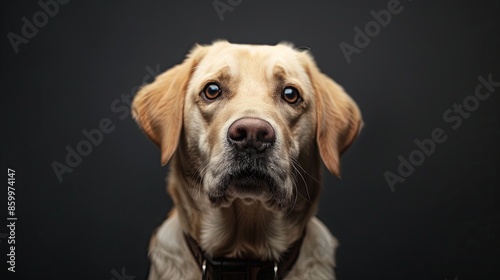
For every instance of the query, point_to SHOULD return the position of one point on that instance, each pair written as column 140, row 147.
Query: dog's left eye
column 291, row 95
column 212, row 91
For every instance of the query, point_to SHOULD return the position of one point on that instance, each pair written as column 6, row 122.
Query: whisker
column 309, row 175
column 294, row 162
column 295, row 196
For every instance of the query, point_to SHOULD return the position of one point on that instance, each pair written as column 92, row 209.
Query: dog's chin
column 249, row 189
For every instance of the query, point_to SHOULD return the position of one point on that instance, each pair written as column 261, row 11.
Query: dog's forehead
column 240, row 59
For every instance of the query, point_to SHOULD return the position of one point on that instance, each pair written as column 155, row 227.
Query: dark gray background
column 441, row 223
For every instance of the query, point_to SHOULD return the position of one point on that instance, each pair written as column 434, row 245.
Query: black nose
column 251, row 134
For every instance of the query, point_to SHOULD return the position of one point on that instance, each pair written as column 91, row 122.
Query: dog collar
column 242, row 269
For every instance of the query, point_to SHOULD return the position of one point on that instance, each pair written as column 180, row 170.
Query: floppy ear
column 158, row 107
column 338, row 118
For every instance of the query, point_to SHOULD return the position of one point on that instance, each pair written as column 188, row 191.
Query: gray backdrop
column 69, row 67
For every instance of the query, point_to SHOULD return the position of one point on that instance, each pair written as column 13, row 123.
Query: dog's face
column 244, row 119
column 251, row 111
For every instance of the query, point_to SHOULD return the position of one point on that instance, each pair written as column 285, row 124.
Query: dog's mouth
column 251, row 182
column 246, row 184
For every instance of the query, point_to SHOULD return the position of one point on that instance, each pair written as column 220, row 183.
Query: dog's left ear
column 339, row 120
column 158, row 107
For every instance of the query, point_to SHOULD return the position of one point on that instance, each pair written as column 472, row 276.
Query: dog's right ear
column 158, row 107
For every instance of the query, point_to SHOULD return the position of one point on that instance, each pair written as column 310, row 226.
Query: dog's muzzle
column 251, row 172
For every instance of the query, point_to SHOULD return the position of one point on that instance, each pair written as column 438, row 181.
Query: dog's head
column 244, row 119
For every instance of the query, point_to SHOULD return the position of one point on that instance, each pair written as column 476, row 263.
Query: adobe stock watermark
column 92, row 138
column 363, row 37
column 221, row 6
column 121, row 276
column 454, row 117
column 48, row 9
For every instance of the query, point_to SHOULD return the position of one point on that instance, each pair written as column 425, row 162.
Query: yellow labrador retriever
column 244, row 128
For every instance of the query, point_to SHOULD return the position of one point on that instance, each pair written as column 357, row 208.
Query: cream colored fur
column 191, row 133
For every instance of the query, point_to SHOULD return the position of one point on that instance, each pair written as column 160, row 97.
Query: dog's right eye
column 212, row 91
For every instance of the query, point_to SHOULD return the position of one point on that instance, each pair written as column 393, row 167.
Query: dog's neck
column 242, row 230
column 248, row 231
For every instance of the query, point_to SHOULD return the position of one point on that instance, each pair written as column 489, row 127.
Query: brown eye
column 212, row 91
column 291, row 95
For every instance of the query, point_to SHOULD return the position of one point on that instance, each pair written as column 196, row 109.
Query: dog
column 244, row 129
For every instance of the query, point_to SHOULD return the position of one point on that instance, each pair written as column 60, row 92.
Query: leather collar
column 221, row 268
